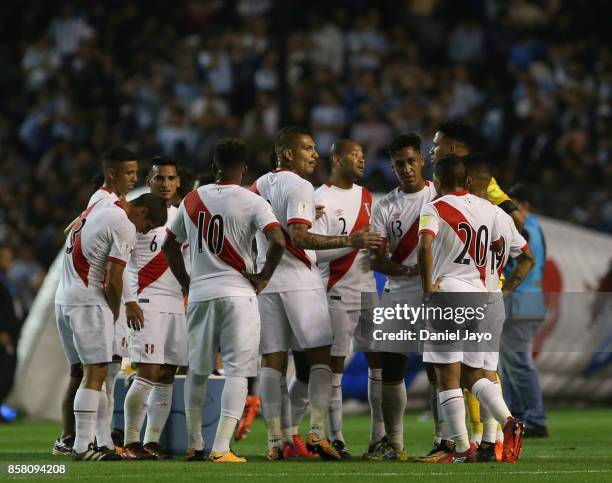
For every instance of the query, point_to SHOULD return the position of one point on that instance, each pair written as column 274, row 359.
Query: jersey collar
column 459, row 193
column 226, row 183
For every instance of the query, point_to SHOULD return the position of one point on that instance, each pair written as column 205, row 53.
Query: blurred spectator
column 534, row 77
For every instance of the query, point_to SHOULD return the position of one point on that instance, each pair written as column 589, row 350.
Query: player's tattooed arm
column 524, row 263
column 276, row 247
column 114, row 287
column 425, row 261
column 302, row 238
column 174, row 255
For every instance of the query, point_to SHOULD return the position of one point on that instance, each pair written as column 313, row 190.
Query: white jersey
column 219, row 222
column 396, row 217
column 102, row 194
column 512, row 245
column 346, row 271
column 463, row 226
column 102, row 233
column 292, row 201
column 151, row 280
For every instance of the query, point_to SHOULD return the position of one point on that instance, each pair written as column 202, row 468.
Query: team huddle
column 283, row 269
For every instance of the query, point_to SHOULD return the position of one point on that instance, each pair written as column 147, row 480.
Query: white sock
column 489, row 426
column 271, row 401
column 335, row 408
column 453, row 410
column 135, row 408
column 298, row 395
column 500, row 433
column 393, row 407
column 233, row 399
column 159, row 402
column 441, row 428
column 85, row 414
column 103, row 429
column 319, row 394
column 195, row 392
column 377, row 422
column 286, row 427
column 112, row 371
column 489, row 395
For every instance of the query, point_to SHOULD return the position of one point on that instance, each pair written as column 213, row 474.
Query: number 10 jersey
column 219, row 221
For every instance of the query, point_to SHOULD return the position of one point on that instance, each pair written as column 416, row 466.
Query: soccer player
column 120, row 170
column 88, row 300
column 158, row 336
column 219, row 222
column 351, row 288
column 294, row 304
column 396, row 217
column 454, row 235
column 513, row 246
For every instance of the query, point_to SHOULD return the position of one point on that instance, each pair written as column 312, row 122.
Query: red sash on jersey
column 338, row 267
column 194, row 205
column 152, row 271
column 453, row 217
column 298, row 253
column 79, row 262
column 407, row 244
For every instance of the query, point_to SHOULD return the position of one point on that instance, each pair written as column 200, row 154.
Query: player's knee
column 276, row 360
column 76, row 371
column 393, row 367
column 150, row 372
column 431, row 373
column 94, row 375
column 337, row 365
column 166, row 374
column 302, row 368
column 373, row 359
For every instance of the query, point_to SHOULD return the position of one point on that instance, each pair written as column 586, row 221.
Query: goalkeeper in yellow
column 456, row 137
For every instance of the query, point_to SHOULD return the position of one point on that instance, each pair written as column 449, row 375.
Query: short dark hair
column 451, row 171
column 521, row 192
column 458, row 131
column 477, row 165
column 229, row 153
column 342, row 146
column 158, row 211
column 115, row 155
column 287, row 137
column 163, row 161
column 410, row 140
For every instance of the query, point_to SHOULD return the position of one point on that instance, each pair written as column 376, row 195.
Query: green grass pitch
column 580, row 449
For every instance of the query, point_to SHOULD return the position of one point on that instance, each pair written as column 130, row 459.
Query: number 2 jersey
column 101, row 234
column 152, row 283
column 463, row 227
column 345, row 270
column 396, row 217
column 219, row 222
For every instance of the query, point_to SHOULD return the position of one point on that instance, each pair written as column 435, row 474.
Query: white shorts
column 302, row 314
column 229, row 324
column 347, row 325
column 162, row 340
column 86, row 333
column 120, row 337
column 495, row 314
column 411, row 298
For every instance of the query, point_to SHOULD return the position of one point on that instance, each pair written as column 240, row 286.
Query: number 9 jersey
column 219, row 221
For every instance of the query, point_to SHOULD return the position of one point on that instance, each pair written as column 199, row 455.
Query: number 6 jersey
column 151, row 280
column 219, row 222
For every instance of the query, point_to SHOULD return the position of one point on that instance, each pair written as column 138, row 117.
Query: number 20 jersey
column 463, row 227
column 151, row 280
column 219, row 221
column 396, row 217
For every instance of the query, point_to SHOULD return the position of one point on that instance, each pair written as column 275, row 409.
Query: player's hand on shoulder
column 258, row 280
column 364, row 238
column 134, row 316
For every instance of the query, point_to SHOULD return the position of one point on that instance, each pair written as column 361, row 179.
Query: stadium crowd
column 78, row 77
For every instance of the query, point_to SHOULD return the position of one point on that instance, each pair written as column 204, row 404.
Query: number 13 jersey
column 219, row 222
column 396, row 217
